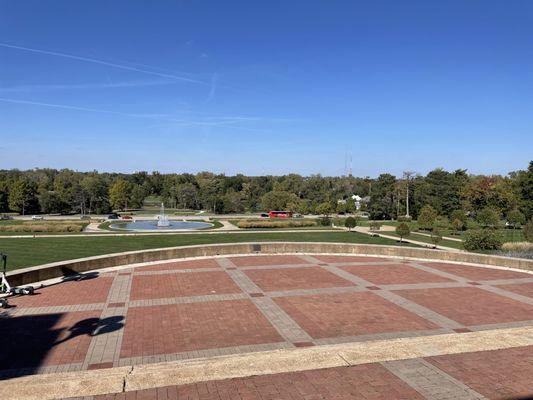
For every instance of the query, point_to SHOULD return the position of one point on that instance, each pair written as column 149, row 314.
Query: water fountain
column 161, row 223
column 162, row 219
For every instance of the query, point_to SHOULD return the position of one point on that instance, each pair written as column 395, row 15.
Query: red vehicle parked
column 280, row 214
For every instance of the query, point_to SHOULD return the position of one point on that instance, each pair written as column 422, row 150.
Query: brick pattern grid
column 295, row 278
column 349, row 314
column 393, row 274
column 430, row 381
column 525, row 289
column 85, row 291
column 250, row 261
column 368, row 382
column 476, row 273
column 189, row 327
column 331, row 259
column 498, row 374
column 470, row 305
column 177, row 265
column 179, row 285
column 196, row 308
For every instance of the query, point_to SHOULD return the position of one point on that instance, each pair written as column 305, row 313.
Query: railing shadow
column 28, row 342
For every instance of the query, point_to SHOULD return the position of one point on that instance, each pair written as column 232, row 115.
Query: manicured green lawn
column 34, row 251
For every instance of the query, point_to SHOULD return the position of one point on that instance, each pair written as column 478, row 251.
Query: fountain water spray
column 162, row 219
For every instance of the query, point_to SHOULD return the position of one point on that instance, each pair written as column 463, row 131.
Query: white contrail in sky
column 208, row 121
column 82, row 86
column 101, row 62
column 97, row 110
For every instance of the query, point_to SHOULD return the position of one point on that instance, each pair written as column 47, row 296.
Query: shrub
column 518, row 246
column 527, row 231
column 404, row 218
column 324, row 209
column 426, row 218
column 403, row 230
column 350, row 223
column 515, row 218
column 458, row 225
column 482, row 239
column 324, row 221
column 461, row 216
column 375, row 226
column 442, row 222
column 488, row 217
column 436, row 236
column 251, row 224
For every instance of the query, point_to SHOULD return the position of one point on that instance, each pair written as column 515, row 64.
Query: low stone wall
column 69, row 267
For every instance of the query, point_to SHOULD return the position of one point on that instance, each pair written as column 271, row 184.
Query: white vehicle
column 37, row 217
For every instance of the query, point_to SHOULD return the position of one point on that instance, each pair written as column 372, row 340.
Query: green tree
column 350, row 223
column 138, row 194
column 277, row 200
column 515, row 218
column 120, row 194
column 457, row 225
column 436, row 236
column 233, row 202
column 50, row 202
column 22, row 196
column 382, row 204
column 528, row 231
column 4, row 196
column 459, row 215
column 324, row 209
column 427, row 217
column 488, row 217
column 403, row 230
column 525, row 190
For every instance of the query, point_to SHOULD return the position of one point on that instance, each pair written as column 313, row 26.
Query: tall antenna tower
column 351, row 164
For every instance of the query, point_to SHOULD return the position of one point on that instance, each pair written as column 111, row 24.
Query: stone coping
column 68, row 267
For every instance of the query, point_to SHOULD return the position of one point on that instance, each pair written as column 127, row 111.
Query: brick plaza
column 197, row 308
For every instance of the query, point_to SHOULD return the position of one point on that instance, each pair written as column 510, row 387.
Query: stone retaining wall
column 68, row 267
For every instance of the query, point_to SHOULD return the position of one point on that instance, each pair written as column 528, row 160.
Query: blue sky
column 267, row 87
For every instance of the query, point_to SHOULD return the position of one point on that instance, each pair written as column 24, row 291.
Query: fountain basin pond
column 152, row 226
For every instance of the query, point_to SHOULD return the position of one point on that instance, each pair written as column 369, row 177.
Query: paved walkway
column 235, row 306
column 387, row 228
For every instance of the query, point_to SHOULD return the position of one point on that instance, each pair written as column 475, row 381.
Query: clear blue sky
column 267, row 87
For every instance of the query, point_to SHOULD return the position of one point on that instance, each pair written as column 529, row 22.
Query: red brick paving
column 42, row 340
column 349, row 314
column 365, row 382
column 189, row 264
column 470, row 305
column 345, row 259
column 179, row 285
column 498, row 374
column 393, row 274
column 185, row 327
column 67, row 293
column 477, row 273
column 525, row 289
column 295, row 278
column 253, row 261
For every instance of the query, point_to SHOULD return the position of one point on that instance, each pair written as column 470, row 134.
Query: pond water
column 152, row 226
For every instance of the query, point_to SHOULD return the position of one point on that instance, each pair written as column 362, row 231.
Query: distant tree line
column 449, row 194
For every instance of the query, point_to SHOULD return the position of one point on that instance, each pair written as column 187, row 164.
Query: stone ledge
column 54, row 270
